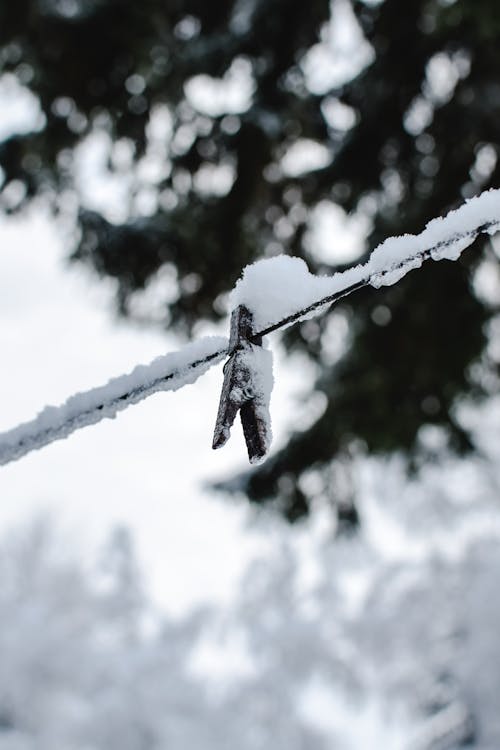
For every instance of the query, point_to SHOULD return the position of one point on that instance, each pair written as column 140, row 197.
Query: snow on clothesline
column 282, row 288
column 167, row 373
column 279, row 291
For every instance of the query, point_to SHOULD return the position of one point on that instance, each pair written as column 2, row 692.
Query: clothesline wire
column 336, row 296
column 14, row 445
column 330, row 299
column 40, row 436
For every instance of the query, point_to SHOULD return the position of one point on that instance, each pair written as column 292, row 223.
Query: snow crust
column 275, row 288
column 167, row 373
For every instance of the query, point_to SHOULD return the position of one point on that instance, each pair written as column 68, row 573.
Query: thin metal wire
column 27, row 443
column 366, row 281
column 40, row 437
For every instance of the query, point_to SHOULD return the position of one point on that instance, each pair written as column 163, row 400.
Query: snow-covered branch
column 278, row 291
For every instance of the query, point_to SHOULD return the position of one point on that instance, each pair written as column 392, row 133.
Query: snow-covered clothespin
column 247, row 387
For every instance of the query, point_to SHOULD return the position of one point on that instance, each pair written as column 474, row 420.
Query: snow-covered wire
column 375, row 278
column 279, row 291
column 167, row 373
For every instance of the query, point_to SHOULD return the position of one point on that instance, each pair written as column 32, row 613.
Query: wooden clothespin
column 246, row 388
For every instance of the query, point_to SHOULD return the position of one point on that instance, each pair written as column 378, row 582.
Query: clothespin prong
column 243, row 390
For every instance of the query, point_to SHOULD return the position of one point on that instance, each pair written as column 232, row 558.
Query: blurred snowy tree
column 388, row 640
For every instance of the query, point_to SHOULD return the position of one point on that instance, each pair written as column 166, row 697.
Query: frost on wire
column 167, row 373
column 278, row 292
column 281, row 290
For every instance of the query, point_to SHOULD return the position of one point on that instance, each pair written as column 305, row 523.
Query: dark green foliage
column 109, row 63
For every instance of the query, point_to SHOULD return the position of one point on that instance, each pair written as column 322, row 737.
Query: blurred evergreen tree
column 405, row 136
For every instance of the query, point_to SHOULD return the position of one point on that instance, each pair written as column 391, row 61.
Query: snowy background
column 139, row 610
column 306, row 640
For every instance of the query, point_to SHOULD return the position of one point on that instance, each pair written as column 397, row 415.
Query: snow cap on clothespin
column 248, row 381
